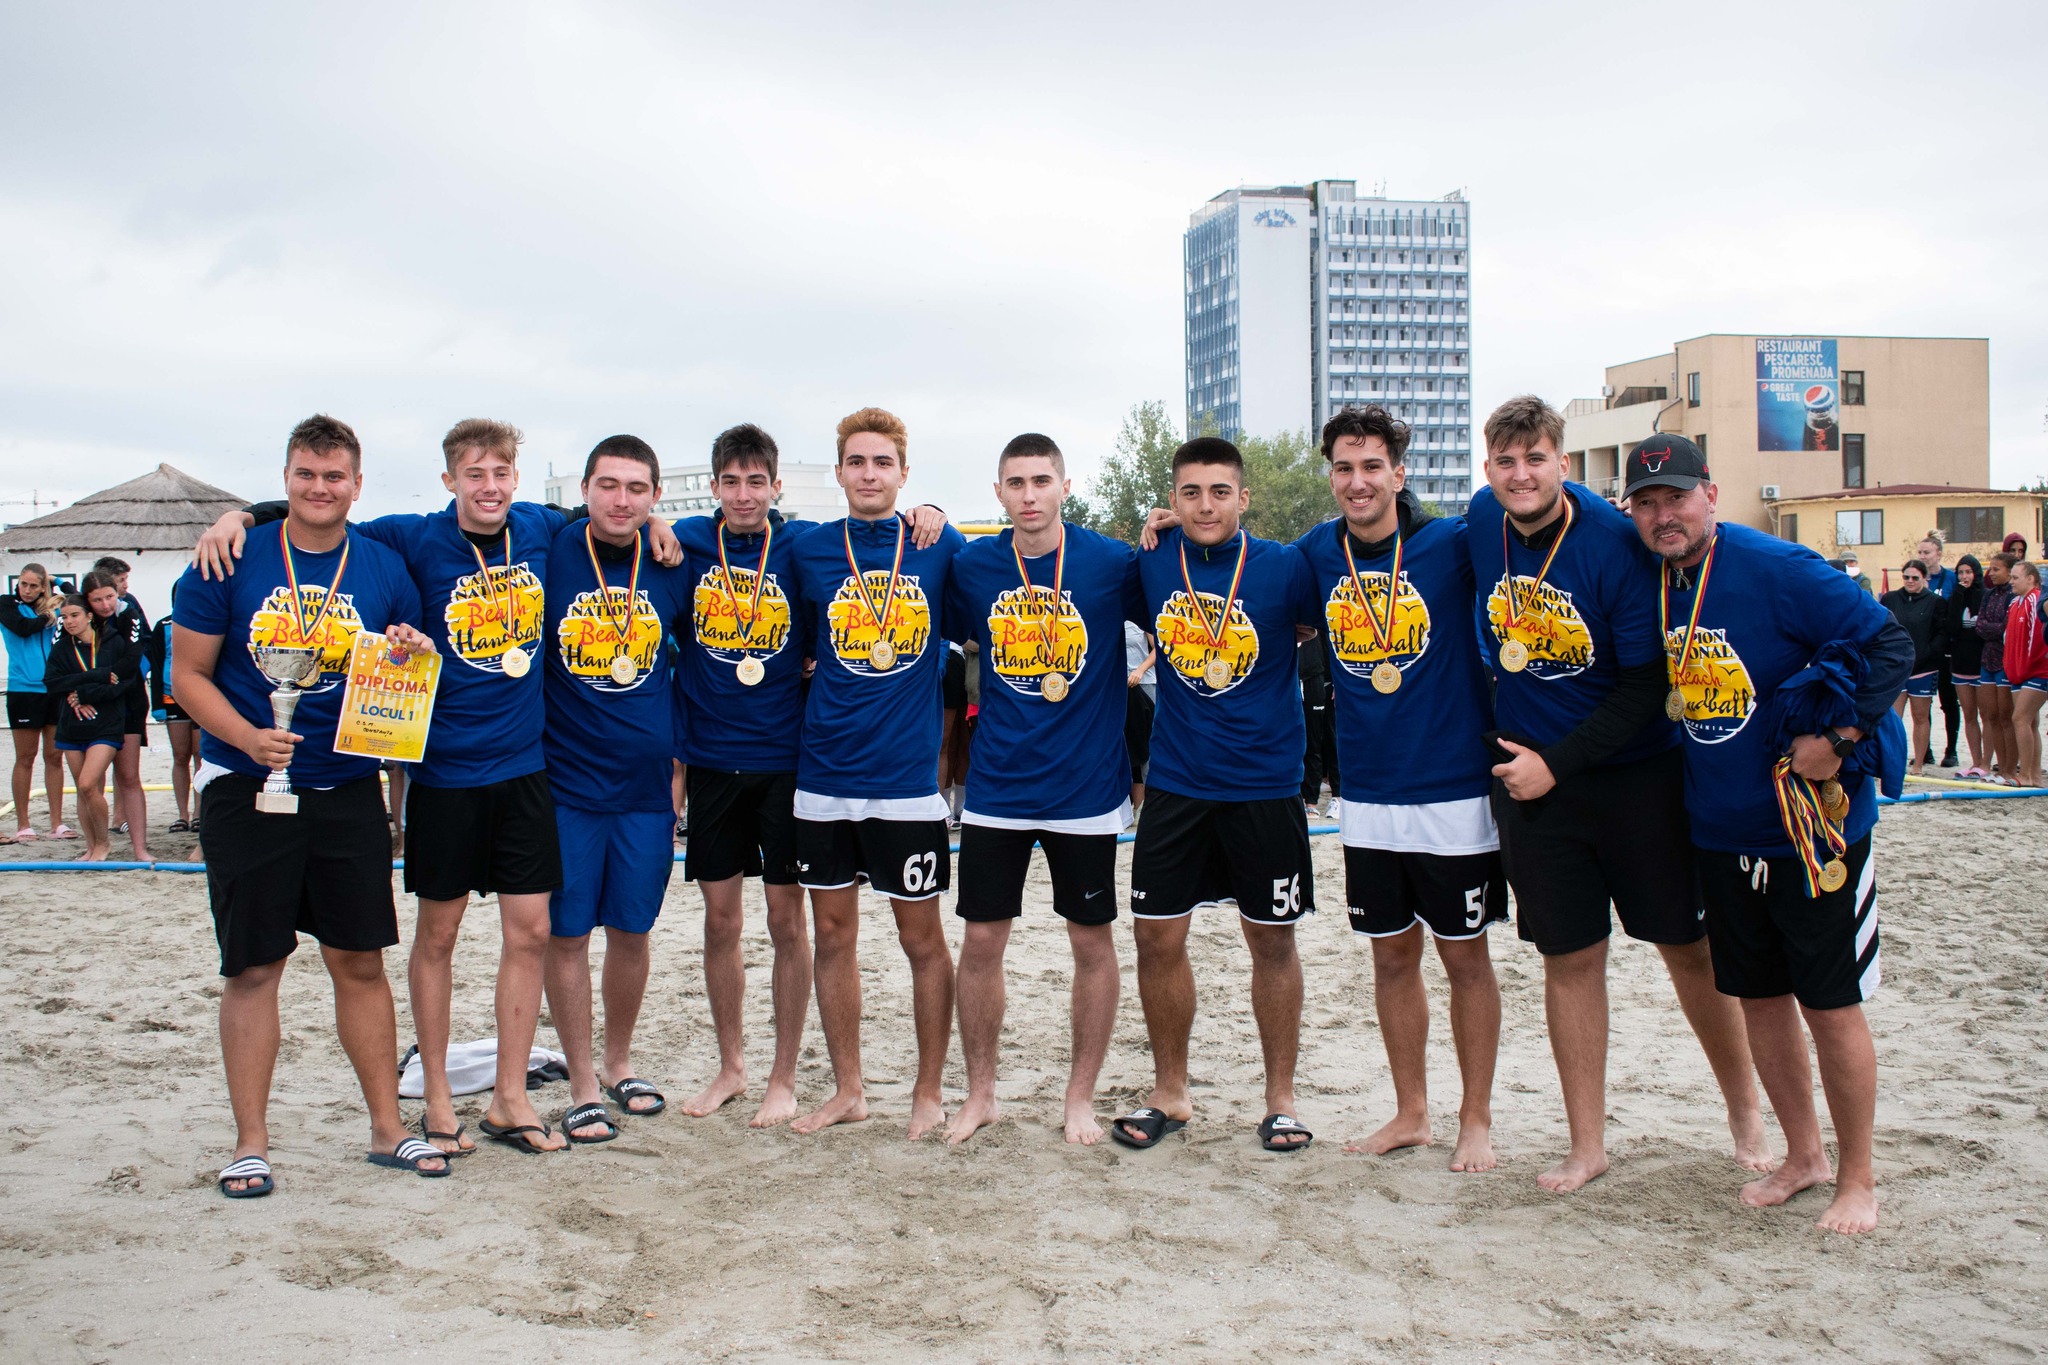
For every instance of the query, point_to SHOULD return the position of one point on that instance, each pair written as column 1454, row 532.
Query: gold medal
column 624, row 670
column 1053, row 687
column 514, row 662
column 750, row 671
column 1386, row 674
column 882, row 656
column 1674, row 704
column 1217, row 674
column 1834, row 800
column 1514, row 656
column 1386, row 677
column 1833, row 874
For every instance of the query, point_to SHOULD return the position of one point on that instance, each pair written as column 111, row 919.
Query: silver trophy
column 292, row 668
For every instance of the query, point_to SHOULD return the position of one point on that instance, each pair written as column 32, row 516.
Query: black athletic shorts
column 1616, row 834
column 741, row 825
column 174, row 713
column 325, row 871
column 1769, row 938
column 955, row 686
column 994, row 863
column 31, row 710
column 911, row 860
column 1138, row 710
column 498, row 838
column 136, row 707
column 1454, row 895
column 1194, row 852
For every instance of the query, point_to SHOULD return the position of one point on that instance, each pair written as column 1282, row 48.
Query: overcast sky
column 664, row 219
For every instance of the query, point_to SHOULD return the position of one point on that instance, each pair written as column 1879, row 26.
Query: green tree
column 1137, row 477
column 1289, row 482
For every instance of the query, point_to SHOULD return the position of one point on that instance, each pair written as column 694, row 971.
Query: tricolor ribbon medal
column 1217, row 672
column 309, row 635
column 1386, row 674
column 881, row 654
column 1053, row 684
column 513, row 661
column 1674, row 701
column 750, row 670
column 1812, row 815
column 1514, row 655
column 624, row 669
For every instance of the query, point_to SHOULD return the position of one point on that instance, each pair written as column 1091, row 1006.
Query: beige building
column 1883, row 527
column 1903, row 410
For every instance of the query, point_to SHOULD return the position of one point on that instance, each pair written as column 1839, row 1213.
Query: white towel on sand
column 472, row 1067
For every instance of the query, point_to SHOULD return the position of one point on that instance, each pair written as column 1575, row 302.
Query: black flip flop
column 582, row 1116
column 515, row 1136
column 408, row 1157
column 454, row 1137
column 1276, row 1126
column 253, row 1169
column 633, row 1088
column 1152, row 1125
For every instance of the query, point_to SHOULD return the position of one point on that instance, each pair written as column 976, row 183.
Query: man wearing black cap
column 1589, row 796
column 1782, row 852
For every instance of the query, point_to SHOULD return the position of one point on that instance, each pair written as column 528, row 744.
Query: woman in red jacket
column 2026, row 668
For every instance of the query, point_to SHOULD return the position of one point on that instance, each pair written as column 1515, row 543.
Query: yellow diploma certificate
column 386, row 707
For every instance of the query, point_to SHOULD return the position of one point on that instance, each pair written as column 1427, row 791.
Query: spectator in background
column 2015, row 546
column 1319, row 762
column 1852, row 567
column 125, row 629
column 1994, row 693
column 1923, row 614
column 2026, row 670
column 1142, row 682
column 1965, row 658
column 184, row 735
column 29, row 614
column 1942, row 582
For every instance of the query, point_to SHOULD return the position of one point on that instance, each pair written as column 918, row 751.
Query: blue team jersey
column 254, row 608
column 870, row 733
column 734, row 727
column 1770, row 605
column 608, row 743
column 27, row 655
column 1242, row 741
column 1036, row 759
column 487, row 723
column 1423, row 742
column 1594, row 615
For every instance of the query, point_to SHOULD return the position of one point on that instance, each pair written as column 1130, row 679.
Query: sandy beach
column 703, row 1240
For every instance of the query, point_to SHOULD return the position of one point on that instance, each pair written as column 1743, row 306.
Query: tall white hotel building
column 1302, row 299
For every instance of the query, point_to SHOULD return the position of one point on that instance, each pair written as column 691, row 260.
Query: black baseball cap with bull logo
column 1667, row 461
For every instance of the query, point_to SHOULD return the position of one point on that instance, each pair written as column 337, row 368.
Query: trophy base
column 277, row 803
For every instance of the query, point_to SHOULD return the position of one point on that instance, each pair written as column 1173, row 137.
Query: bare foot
column 841, row 1108
column 925, row 1117
column 1574, row 1172
column 1752, row 1144
column 1798, row 1173
column 98, row 853
column 973, row 1116
column 1854, row 1210
column 1396, row 1133
column 1081, row 1124
column 777, row 1107
column 726, row 1085
column 1474, row 1151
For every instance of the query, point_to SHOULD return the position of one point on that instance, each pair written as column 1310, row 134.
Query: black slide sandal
column 582, row 1116
column 633, row 1088
column 1276, row 1126
column 408, row 1157
column 1152, row 1125
column 253, row 1169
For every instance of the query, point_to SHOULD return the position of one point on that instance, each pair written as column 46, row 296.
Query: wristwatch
column 1839, row 742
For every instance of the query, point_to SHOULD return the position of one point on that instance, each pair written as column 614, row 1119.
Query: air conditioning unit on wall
column 1770, row 492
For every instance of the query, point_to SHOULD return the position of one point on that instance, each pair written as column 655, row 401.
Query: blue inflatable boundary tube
column 1914, row 798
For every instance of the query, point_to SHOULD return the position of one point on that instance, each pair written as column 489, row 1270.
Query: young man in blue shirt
column 867, row 800
column 1046, row 603
column 1394, row 592
column 1590, row 797
column 1791, row 935
column 1223, row 814
column 324, row 868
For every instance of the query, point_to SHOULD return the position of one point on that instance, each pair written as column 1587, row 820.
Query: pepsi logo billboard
column 1798, row 394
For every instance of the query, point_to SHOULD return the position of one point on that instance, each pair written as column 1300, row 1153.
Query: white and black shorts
column 1769, row 938
column 1194, row 852
column 909, row 860
column 994, row 863
column 1435, row 864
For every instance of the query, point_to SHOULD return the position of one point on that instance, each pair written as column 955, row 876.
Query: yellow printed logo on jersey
column 854, row 628
column 479, row 632
column 1017, row 629
column 1548, row 625
column 1184, row 640
column 1719, row 696
column 1353, row 641
column 588, row 638
column 719, row 619
column 273, row 624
